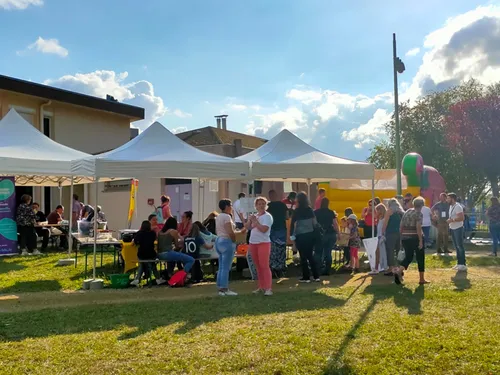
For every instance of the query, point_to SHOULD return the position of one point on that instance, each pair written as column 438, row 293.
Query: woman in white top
column 260, row 244
column 225, row 246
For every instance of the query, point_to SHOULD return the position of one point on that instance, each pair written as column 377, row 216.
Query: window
column 47, row 201
column 46, row 126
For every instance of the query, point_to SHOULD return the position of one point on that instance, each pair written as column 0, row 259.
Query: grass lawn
column 347, row 325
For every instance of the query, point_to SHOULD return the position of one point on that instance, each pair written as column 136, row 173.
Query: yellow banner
column 133, row 197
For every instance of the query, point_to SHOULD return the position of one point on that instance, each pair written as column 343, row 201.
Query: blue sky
column 319, row 67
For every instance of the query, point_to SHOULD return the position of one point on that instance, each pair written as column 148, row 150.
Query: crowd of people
column 402, row 226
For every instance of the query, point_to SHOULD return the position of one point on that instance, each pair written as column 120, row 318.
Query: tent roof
column 157, row 153
column 288, row 157
column 33, row 158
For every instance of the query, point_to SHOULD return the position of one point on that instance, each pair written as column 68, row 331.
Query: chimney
column 238, row 147
column 224, row 122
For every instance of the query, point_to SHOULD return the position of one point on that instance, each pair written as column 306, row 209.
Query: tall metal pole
column 396, row 116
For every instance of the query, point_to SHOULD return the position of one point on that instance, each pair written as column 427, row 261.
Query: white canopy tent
column 157, row 153
column 33, row 158
column 286, row 157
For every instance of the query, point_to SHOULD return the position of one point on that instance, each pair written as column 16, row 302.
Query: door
column 173, row 191
column 185, row 199
column 180, row 199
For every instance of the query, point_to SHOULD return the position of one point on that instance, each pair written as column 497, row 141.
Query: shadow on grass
column 136, row 319
column 461, row 281
column 8, row 265
column 403, row 296
column 32, row 286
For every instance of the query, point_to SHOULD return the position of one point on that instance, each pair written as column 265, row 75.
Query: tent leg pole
column 373, row 206
column 60, row 194
column 70, row 237
column 96, row 183
column 200, row 218
column 309, row 188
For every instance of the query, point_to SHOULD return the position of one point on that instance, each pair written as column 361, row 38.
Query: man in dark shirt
column 440, row 215
column 279, row 212
column 55, row 217
column 44, row 233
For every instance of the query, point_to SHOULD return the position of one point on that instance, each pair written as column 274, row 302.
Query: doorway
column 180, row 193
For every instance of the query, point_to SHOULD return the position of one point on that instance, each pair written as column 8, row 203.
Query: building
column 82, row 122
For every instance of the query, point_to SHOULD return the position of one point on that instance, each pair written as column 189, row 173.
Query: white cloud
column 181, row 114
column 180, row 129
column 19, row 4
column 105, row 82
column 465, row 47
column 413, row 52
column 369, row 132
column 48, row 46
column 237, row 107
column 304, row 96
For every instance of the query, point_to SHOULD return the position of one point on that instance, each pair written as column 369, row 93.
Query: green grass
column 354, row 329
column 40, row 273
column 354, row 325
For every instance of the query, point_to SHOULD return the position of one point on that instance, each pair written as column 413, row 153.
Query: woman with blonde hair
column 391, row 233
column 259, row 226
column 412, row 238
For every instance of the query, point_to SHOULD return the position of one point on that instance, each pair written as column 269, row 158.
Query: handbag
column 401, row 255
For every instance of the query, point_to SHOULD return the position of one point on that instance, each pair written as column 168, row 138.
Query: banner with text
column 8, row 226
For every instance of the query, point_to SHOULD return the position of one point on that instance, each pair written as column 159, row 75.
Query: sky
column 319, row 68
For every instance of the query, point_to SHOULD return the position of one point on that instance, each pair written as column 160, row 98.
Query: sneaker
column 160, row 281
column 455, row 268
column 230, row 293
column 135, row 282
column 37, row 252
column 221, row 293
column 318, row 280
column 462, row 268
column 304, row 280
column 257, row 291
column 268, row 292
column 492, row 255
column 25, row 253
column 373, row 273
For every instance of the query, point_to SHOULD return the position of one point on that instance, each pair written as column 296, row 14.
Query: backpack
column 178, row 279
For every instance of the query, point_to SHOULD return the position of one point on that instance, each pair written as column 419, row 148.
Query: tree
column 422, row 130
column 473, row 128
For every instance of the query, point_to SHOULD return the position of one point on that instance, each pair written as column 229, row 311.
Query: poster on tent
column 370, row 245
column 8, row 226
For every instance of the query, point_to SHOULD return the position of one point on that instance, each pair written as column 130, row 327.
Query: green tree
column 422, row 130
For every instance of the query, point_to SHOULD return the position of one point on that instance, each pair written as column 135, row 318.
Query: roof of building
column 214, row 136
column 70, row 97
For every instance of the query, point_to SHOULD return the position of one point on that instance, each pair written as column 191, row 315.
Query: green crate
column 119, row 280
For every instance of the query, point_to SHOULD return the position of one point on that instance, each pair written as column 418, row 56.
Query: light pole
column 398, row 67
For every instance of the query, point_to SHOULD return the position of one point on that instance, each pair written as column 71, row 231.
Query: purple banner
column 8, row 226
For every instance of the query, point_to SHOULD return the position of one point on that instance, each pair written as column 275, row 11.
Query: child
column 345, row 231
column 354, row 241
column 145, row 239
